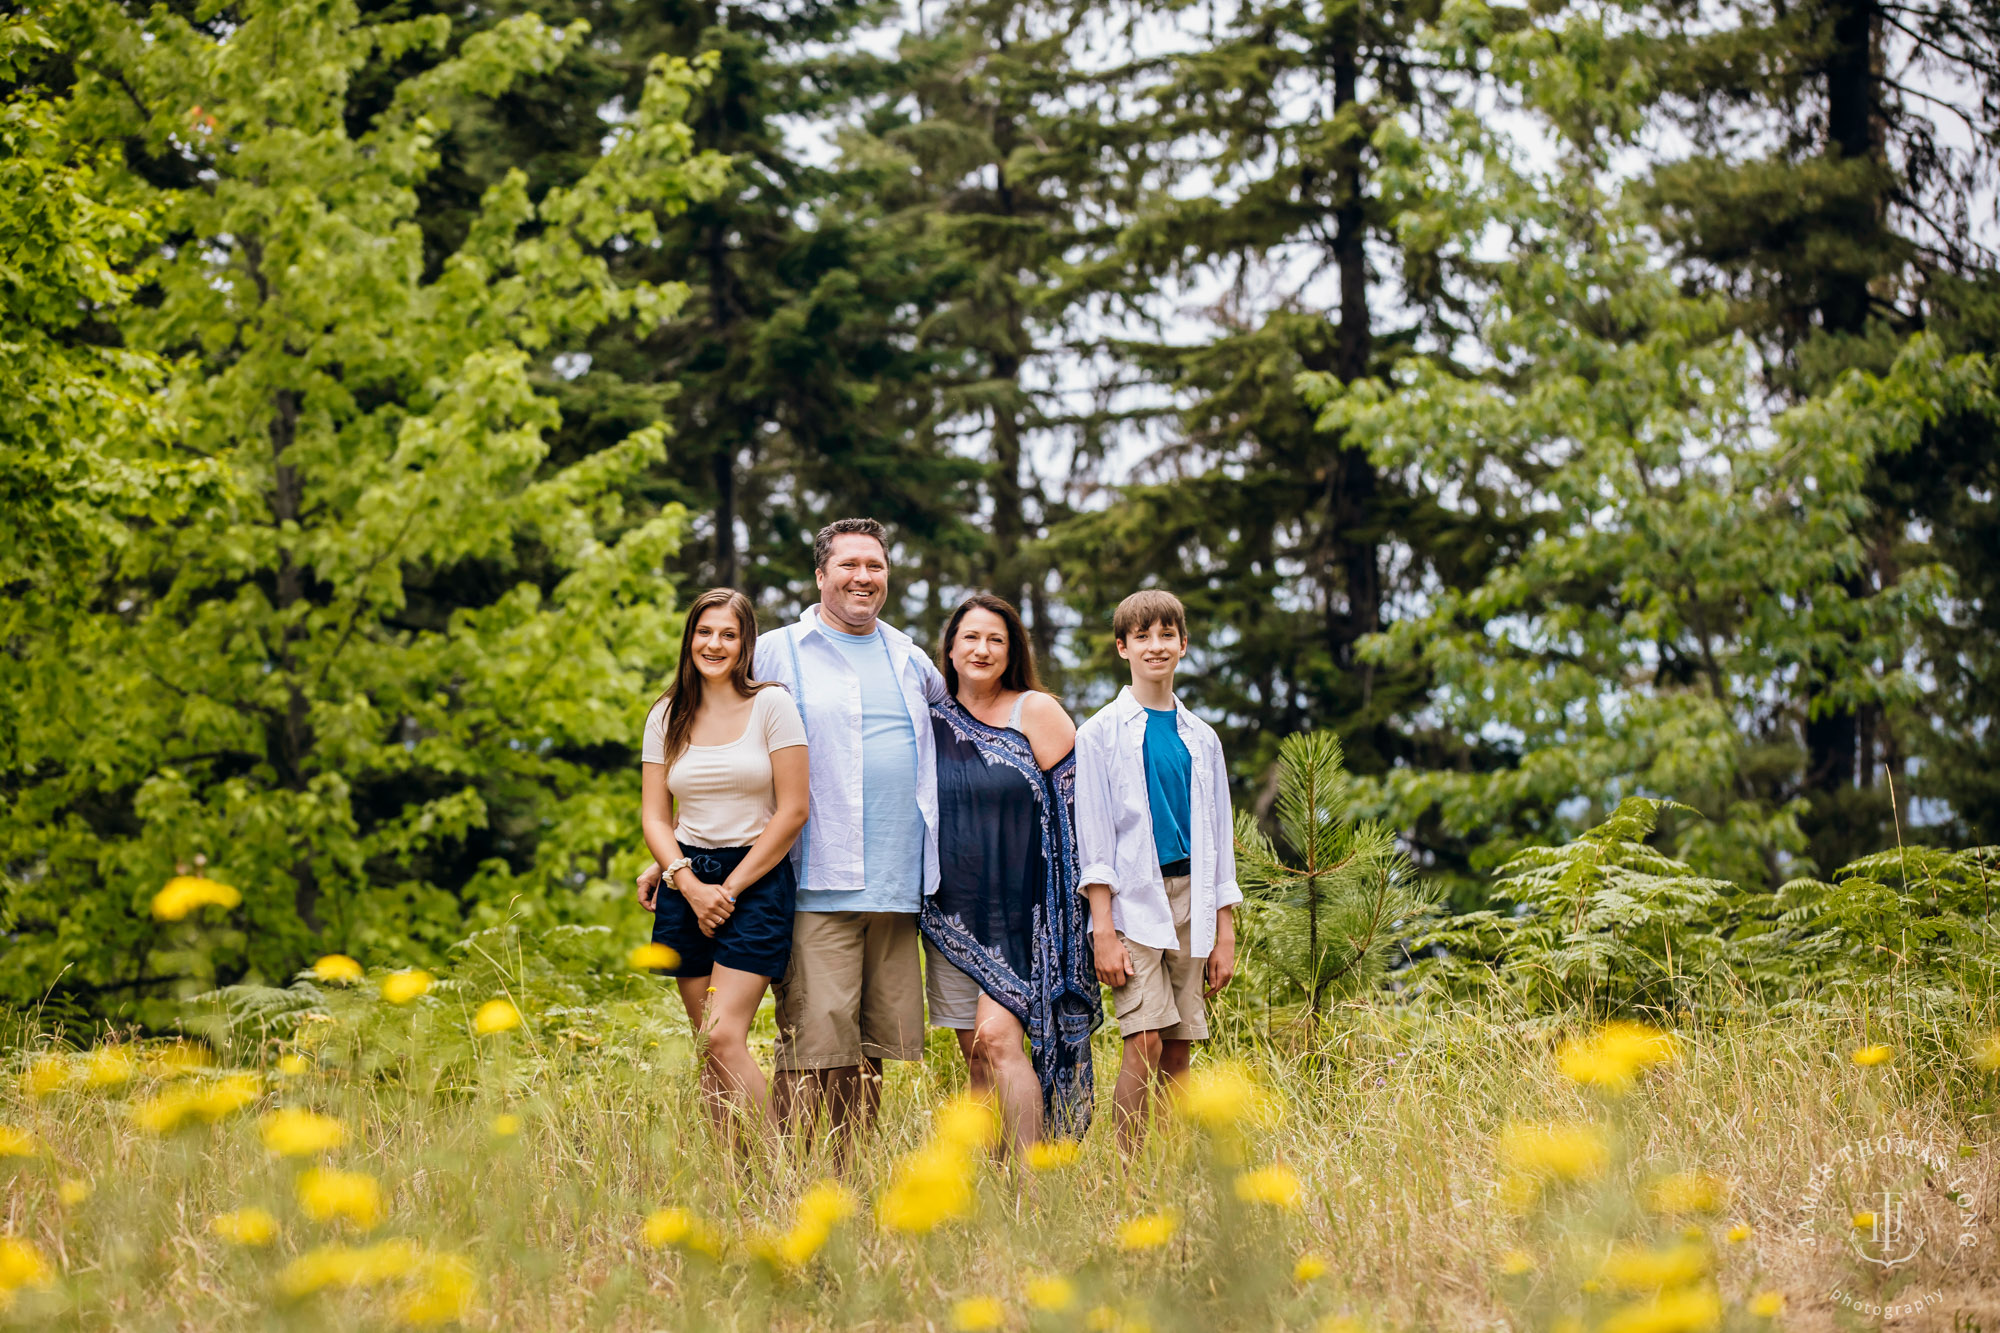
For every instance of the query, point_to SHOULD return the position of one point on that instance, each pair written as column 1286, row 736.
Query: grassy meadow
column 370, row 1159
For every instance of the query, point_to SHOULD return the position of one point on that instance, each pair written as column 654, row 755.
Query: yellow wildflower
column 974, row 1314
column 1864, row 1221
column 1738, row 1234
column 1634, row 1269
column 1218, row 1096
column 45, row 1075
column 445, row 1292
column 1767, row 1304
column 1273, row 1185
column 186, row 894
column 1692, row 1311
column 72, row 1191
column 506, row 1125
column 1986, row 1053
column 1309, row 1268
column 1053, row 1154
column 178, row 1058
column 1688, row 1192
column 1051, row 1292
column 682, row 1230
column 108, row 1067
column 16, row 1142
column 403, row 987
column 328, row 1195
column 1516, row 1262
column 296, row 1132
column 245, row 1226
column 930, row 1186
column 294, row 1065
column 1870, row 1056
column 496, row 1016
column 336, row 967
column 966, row 1123
column 348, row 1266
column 1564, row 1151
column 1101, row 1319
column 828, row 1203
column 185, row 1104
column 654, row 957
column 1339, row 1323
column 1615, row 1055
column 21, row 1265
column 1147, row 1233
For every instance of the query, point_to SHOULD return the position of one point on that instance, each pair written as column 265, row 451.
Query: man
column 853, row 995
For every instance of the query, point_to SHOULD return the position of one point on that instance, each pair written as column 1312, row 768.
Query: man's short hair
column 1146, row 608
column 841, row 527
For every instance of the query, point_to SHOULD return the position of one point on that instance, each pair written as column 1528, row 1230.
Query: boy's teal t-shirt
column 1169, row 769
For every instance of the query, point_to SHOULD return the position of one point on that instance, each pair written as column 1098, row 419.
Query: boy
column 1156, row 838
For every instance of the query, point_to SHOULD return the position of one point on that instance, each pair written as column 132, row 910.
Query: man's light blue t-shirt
column 892, row 826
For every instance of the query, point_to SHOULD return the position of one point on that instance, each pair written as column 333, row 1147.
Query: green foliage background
column 1572, row 409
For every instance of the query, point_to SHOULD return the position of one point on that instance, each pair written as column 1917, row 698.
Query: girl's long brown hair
column 683, row 697
column 1020, row 671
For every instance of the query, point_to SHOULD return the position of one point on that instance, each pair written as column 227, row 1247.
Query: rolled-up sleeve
column 1096, row 823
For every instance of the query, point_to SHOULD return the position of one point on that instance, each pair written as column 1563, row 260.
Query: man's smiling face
column 854, row 583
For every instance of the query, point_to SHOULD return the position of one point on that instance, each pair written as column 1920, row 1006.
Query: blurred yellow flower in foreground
column 1738, row 1234
column 294, row 1065
column 1147, row 1233
column 1870, row 1056
column 108, row 1067
column 21, row 1265
column 446, row 1289
column 403, row 987
column 72, row 1191
column 1051, row 1292
column 966, row 1123
column 1632, row 1268
column 682, row 1230
column 1309, row 1268
column 1693, row 1311
column 1516, row 1262
column 654, row 957
column 1339, row 1323
column 1986, row 1052
column 1615, row 1055
column 349, row 1266
column 506, row 1125
column 1218, row 1096
column 16, row 1142
column 178, row 1058
column 336, row 967
column 1053, row 1154
column 827, row 1203
column 1274, row 1185
column 823, row 1207
column 974, row 1314
column 296, row 1132
column 185, row 894
column 245, row 1226
column 1863, row 1221
column 930, row 1186
column 184, row 1104
column 1563, row 1151
column 1767, row 1304
column 1688, row 1192
column 496, row 1016
column 327, row 1195
column 45, row 1075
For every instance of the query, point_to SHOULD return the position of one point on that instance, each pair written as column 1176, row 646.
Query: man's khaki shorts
column 1163, row 994
column 854, row 990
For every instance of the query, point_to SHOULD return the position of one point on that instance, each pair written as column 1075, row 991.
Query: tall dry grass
column 1389, row 1119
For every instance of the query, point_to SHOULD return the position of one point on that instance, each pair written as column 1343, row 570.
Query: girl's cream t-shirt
column 723, row 793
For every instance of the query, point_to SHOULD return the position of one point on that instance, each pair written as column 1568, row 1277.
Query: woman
column 1006, row 936
column 723, row 796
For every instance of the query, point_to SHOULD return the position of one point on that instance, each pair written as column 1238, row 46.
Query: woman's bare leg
column 1000, row 1041
column 720, row 1008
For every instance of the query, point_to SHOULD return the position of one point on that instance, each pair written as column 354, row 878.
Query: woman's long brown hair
column 683, row 697
column 1020, row 671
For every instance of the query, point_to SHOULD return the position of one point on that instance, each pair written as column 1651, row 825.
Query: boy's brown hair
column 1146, row 608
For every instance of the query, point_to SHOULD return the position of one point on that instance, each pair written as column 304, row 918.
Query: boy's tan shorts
column 1163, row 994
column 854, row 990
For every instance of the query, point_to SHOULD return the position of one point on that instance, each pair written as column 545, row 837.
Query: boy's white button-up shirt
column 828, row 855
column 1114, row 826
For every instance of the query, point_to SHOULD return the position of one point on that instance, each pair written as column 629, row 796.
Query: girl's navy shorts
column 756, row 938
